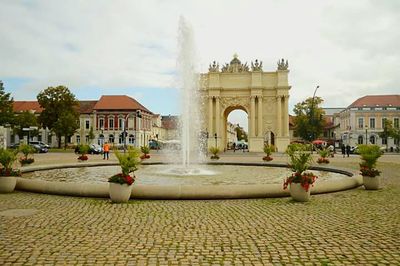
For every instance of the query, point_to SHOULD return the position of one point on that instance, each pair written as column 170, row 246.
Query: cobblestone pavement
column 355, row 227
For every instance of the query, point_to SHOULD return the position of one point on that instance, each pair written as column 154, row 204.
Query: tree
column 66, row 125
column 91, row 135
column 59, row 104
column 387, row 132
column 241, row 134
column 309, row 121
column 24, row 120
column 6, row 107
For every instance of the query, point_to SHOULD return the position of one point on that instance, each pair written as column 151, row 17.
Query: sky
column 97, row 47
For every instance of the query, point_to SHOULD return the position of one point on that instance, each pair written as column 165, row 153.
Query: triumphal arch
column 262, row 95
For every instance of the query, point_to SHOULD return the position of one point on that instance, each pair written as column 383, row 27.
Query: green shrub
column 7, row 158
column 324, row 152
column 369, row 156
column 145, row 149
column 128, row 161
column 83, row 149
column 269, row 149
column 26, row 150
column 299, row 157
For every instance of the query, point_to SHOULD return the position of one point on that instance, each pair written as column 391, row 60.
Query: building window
column 372, row 123
column 87, row 138
column 120, row 123
column 396, row 122
column 39, row 138
column 111, row 138
column 383, row 122
column 78, row 139
column 360, row 122
column 87, row 124
column 372, row 139
column 360, row 108
column 360, row 139
column 121, row 138
column 101, row 140
column 131, row 139
column 111, row 123
column 384, row 141
column 101, row 123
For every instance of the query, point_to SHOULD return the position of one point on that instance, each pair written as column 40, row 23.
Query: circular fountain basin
column 163, row 181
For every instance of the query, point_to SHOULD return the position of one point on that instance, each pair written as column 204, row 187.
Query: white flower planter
column 298, row 193
column 372, row 183
column 7, row 184
column 120, row 193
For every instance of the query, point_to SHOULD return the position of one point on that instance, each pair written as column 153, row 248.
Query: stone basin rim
column 100, row 190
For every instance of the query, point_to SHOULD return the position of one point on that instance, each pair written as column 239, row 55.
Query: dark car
column 39, row 148
column 95, row 149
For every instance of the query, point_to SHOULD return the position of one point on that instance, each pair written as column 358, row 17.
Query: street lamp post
column 312, row 114
column 366, row 134
column 215, row 136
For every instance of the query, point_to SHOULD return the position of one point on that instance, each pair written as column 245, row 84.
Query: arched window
column 111, row 138
column 78, row 139
column 131, row 139
column 372, row 139
column 101, row 139
column 360, row 139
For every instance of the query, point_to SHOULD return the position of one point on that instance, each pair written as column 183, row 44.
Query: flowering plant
column 214, row 151
column 305, row 179
column 83, row 158
column 26, row 151
column 7, row 158
column 145, row 150
column 300, row 161
column 369, row 156
column 83, row 150
column 128, row 162
column 323, row 153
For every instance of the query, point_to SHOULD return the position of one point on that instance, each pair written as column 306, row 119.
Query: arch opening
column 236, row 128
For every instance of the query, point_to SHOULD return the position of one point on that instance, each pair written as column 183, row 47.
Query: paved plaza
column 355, row 227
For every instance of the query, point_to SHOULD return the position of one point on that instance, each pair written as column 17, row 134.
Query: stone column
column 278, row 116
column 286, row 116
column 217, row 117
column 260, row 117
column 252, row 116
column 210, row 116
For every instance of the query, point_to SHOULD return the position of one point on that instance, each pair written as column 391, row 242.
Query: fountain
column 192, row 178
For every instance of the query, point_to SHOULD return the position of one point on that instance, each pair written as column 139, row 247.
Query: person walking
column 348, row 150
column 106, row 150
column 343, row 150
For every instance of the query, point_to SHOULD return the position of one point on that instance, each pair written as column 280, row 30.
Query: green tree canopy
column 6, row 107
column 309, row 121
column 59, row 111
column 24, row 120
column 388, row 131
column 241, row 134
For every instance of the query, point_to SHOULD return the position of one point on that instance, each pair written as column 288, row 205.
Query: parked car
column 95, row 149
column 40, row 143
column 39, row 148
column 14, row 146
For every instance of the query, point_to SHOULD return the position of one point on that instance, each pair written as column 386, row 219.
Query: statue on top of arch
column 214, row 67
column 256, row 66
column 282, row 65
column 235, row 66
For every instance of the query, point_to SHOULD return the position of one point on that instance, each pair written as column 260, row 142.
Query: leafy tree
column 59, row 104
column 309, row 121
column 387, row 131
column 395, row 134
column 241, row 134
column 66, row 125
column 24, row 120
column 6, row 107
column 91, row 135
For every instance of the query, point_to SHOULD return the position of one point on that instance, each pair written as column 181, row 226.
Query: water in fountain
column 190, row 115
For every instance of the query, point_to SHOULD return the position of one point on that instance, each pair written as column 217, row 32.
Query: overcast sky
column 348, row 48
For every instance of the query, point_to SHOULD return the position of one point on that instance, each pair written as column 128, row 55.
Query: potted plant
column 300, row 180
column 268, row 149
column 323, row 153
column 26, row 151
column 83, row 150
column 146, row 152
column 214, row 151
column 369, row 156
column 121, row 184
column 7, row 173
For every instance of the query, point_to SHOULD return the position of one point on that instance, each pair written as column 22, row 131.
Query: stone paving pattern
column 355, row 227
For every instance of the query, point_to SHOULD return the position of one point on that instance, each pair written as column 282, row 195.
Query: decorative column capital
column 278, row 97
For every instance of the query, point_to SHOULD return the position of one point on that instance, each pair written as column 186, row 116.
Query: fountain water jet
column 189, row 84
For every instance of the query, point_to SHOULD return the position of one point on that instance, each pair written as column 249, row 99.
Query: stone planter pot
column 120, row 193
column 298, row 193
column 7, row 184
column 372, row 183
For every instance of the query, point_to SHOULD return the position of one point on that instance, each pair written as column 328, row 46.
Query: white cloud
column 349, row 48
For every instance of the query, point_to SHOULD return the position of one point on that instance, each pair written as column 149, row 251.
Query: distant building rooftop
column 377, row 100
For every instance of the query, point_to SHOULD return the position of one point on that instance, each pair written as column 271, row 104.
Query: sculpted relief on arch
column 235, row 101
